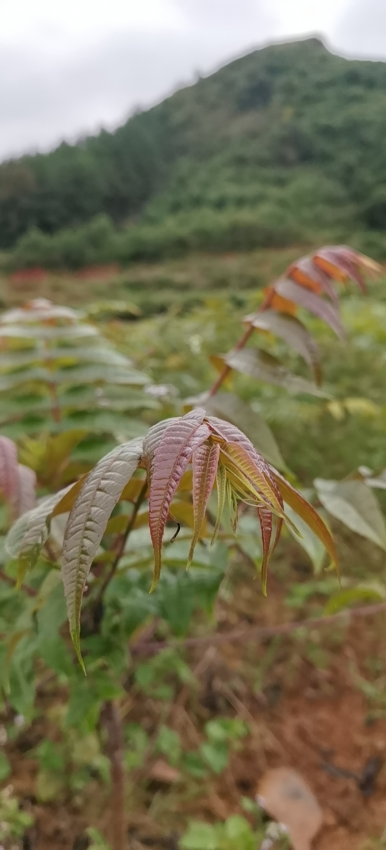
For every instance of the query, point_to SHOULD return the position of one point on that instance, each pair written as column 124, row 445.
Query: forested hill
column 290, row 135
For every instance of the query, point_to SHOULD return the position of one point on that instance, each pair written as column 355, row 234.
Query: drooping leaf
column 292, row 331
column 265, row 518
column 308, row 514
column 9, row 473
column 330, row 264
column 261, row 365
column 232, row 408
column 30, row 532
column 377, row 481
column 100, row 492
column 275, row 301
column 26, row 499
column 342, row 263
column 250, row 476
column 309, row 301
column 68, row 498
column 221, row 480
column 354, row 504
column 205, row 463
column 306, row 273
column 347, row 261
column 170, row 460
column 232, row 434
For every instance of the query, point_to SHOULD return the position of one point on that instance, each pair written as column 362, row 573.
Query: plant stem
column 122, row 544
column 227, row 369
column 263, row 632
column 112, row 722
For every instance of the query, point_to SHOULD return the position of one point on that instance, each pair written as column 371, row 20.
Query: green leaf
column 216, row 755
column 354, row 504
column 307, row 539
column 49, row 785
column 22, row 687
column 96, row 374
column 230, row 407
column 199, row 836
column 261, row 365
column 169, row 744
column 193, row 764
column 97, row 840
column 353, row 596
column 226, row 729
column 100, row 492
column 237, row 829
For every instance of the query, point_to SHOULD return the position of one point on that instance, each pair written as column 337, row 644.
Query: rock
column 287, row 798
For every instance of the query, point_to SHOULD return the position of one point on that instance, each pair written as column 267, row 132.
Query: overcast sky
column 68, row 67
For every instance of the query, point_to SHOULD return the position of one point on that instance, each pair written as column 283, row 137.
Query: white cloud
column 69, row 66
column 361, row 30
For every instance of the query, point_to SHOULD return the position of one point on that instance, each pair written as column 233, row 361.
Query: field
column 204, row 720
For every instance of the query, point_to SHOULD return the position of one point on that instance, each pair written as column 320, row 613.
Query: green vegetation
column 283, row 144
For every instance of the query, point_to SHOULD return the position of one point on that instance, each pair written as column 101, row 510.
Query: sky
column 70, row 67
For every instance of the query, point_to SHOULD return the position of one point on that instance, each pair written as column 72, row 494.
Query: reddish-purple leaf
column 27, row 489
column 171, row 458
column 152, row 441
column 318, row 306
column 340, row 263
column 347, row 261
column 205, row 464
column 307, row 274
column 9, row 474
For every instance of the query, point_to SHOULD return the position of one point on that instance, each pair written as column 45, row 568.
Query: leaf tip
column 76, row 644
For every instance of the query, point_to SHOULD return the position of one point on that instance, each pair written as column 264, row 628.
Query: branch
column 261, row 632
column 227, row 369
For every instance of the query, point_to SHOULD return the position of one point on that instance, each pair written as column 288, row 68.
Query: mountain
column 285, row 141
